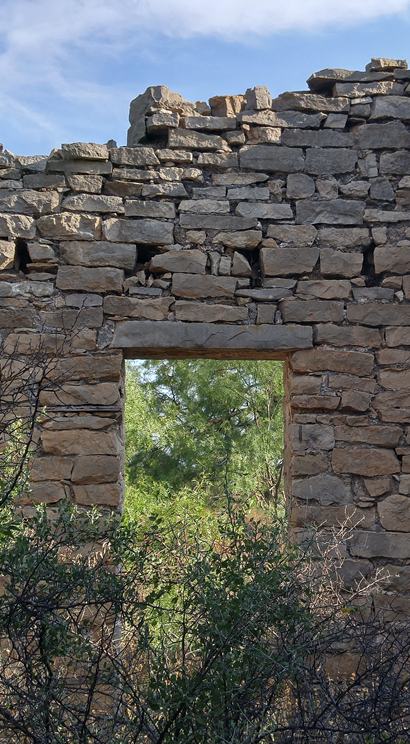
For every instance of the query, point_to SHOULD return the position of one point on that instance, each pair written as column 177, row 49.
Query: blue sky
column 69, row 68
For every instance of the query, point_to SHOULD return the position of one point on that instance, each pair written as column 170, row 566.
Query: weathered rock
column 84, row 151
column 265, row 211
column 226, row 105
column 338, row 263
column 80, row 442
column 319, row 138
column 366, row 544
column 394, row 513
column 195, row 140
column 93, row 203
column 347, row 335
column 96, row 469
column 245, row 239
column 29, row 202
column 309, row 464
column 318, row 360
column 270, row 158
column 205, row 313
column 205, row 206
column 149, row 308
column 344, row 237
column 381, row 436
column 377, row 314
column 327, row 161
column 311, row 437
column 184, row 285
column 188, row 261
column 217, row 222
column 311, row 311
column 16, row 226
column 87, row 167
column 368, row 461
column 324, row 289
column 299, row 235
column 325, row 489
column 330, row 211
column 212, row 123
column 361, row 90
column 108, row 494
column 102, row 253
column 150, row 209
column 264, row 135
column 393, row 406
column 254, row 193
column 258, row 98
column 67, row 225
column 90, row 280
column 7, row 251
column 392, row 258
column 395, row 163
column 299, row 186
column 240, row 265
column 155, row 98
column 386, row 216
column 391, row 107
column 288, row 261
column 202, row 337
column 382, row 136
column 162, row 121
column 144, row 232
column 310, row 102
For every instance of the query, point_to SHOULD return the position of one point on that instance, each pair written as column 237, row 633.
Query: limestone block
column 226, row 105
column 310, row 102
column 217, row 159
column 20, row 317
column 324, row 488
column 44, row 492
column 67, row 225
column 299, row 186
column 144, row 232
column 101, row 253
column 165, row 190
column 356, row 401
column 312, row 437
column 17, row 226
column 381, row 136
column 258, row 98
column 318, row 138
column 328, row 161
column 93, row 203
column 89, row 184
column 268, row 158
column 288, row 261
column 395, row 163
column 253, row 193
column 338, row 263
column 89, row 279
column 366, row 544
column 161, row 121
column 393, row 406
column 386, row 216
column 321, row 360
column 80, row 442
column 368, row 461
column 7, row 250
column 397, row 336
column 87, row 167
column 245, row 239
column 395, row 379
column 361, row 90
column 391, row 107
column 96, row 469
column 329, row 211
column 186, row 261
column 298, row 235
column 240, row 265
column 284, row 119
column 29, row 202
column 217, row 222
column 324, row 289
column 378, row 314
column 150, row 308
column 225, row 340
column 394, row 513
column 43, row 181
column 84, row 151
column 212, row 123
column 102, row 394
column 334, row 335
column 185, row 285
column 195, row 140
column 344, row 237
column 137, row 156
column 205, row 206
column 265, row 211
column 309, row 464
column 205, row 313
column 260, row 135
column 108, row 494
column 51, row 468
column 379, row 435
column 150, row 209
column 311, row 311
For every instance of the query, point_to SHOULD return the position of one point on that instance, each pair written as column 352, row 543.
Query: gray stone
column 161, row 121
column 205, row 206
column 43, row 181
column 240, row 265
column 187, row 261
column 381, row 190
column 146, row 338
column 89, row 280
column 299, row 186
column 355, row 189
column 149, row 308
column 310, row 102
column 381, row 215
column 311, row 311
column 272, row 294
column 366, row 544
column 88, row 167
column 155, row 98
column 320, row 138
column 245, row 239
column 144, row 232
column 324, row 488
column 392, row 258
column 137, row 156
column 238, row 179
column 218, row 159
column 265, row 211
column 377, row 314
column 150, row 209
column 173, row 190
column 270, row 158
column 336, row 121
column 324, row 289
column 347, row 336
column 93, row 203
column 101, row 253
column 283, row 120
column 195, row 140
column 84, row 151
column 7, row 250
column 288, row 261
column 253, row 193
column 391, row 107
column 186, row 285
column 260, row 135
column 212, row 123
column 29, row 202
column 258, row 98
column 206, row 313
column 89, row 184
column 331, row 212
column 382, row 136
column 395, row 163
column 217, row 222
column 327, row 161
column 384, row 63
column 293, row 234
column 337, row 263
column 69, row 225
column 344, row 237
column 361, row 90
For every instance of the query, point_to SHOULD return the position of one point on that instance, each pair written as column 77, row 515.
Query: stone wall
column 249, row 227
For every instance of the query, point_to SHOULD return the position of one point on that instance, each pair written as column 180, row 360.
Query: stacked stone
column 246, row 227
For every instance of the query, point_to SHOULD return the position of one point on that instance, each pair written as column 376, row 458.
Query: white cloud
column 43, row 42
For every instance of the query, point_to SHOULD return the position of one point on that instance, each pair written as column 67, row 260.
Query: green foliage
column 203, row 427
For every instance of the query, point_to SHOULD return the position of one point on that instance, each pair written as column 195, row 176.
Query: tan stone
column 51, row 468
column 311, row 311
column 245, row 239
column 70, row 226
column 90, row 279
column 318, row 360
column 347, row 335
column 397, row 336
column 395, row 379
column 17, row 226
column 315, row 402
column 393, row 406
column 382, row 436
column 394, row 513
column 149, row 308
column 309, row 464
column 96, row 469
column 185, row 285
column 108, row 494
column 188, row 262
column 102, row 253
column 88, row 367
column 368, row 461
column 80, row 442
column 7, row 250
column 101, row 394
column 337, row 263
column 324, row 289
column 378, row 486
column 45, row 492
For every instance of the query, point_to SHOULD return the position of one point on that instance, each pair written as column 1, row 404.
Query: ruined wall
column 251, row 227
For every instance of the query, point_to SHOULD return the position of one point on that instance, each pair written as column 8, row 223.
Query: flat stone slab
column 157, row 339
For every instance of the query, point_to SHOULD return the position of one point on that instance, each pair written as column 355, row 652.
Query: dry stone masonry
column 246, row 227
